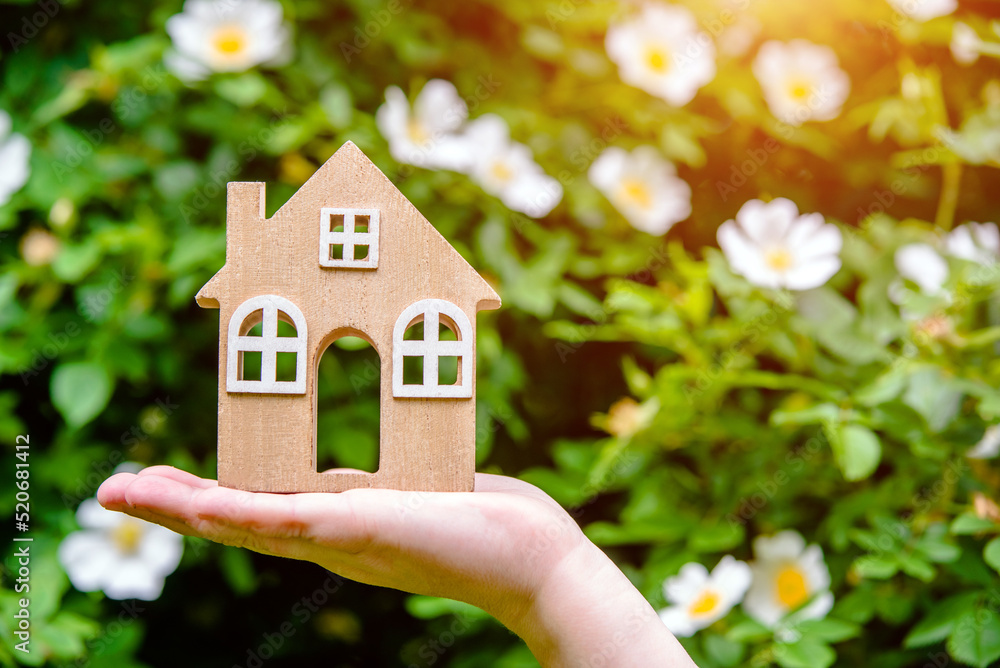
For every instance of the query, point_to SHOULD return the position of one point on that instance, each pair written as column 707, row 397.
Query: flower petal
column 161, row 549
column 678, row 622
column 88, row 559
column 92, row 515
column 783, row 545
column 811, row 272
column 134, row 579
column 686, row 584
column 732, row 578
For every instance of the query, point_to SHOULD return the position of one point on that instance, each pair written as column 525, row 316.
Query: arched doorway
column 348, row 378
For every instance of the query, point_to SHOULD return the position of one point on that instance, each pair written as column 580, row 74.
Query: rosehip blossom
column 506, row 169
column 772, row 246
column 662, row 51
column 643, row 187
column 801, row 81
column 15, row 151
column 123, row 556
column 428, row 134
column 699, row 599
column 790, row 581
column 226, row 36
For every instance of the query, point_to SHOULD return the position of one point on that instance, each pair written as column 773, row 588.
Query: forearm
column 587, row 613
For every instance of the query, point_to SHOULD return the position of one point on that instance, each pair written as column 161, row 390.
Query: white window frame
column 268, row 344
column 431, row 348
column 348, row 238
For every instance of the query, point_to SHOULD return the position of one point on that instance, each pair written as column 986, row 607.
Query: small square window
column 284, row 367
column 250, row 363
column 413, row 370
column 448, row 368
column 349, row 238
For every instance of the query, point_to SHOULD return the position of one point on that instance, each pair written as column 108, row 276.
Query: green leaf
column 976, row 638
column 829, row 629
column 875, row 567
column 968, row 524
column 933, row 395
column 80, row 391
column 816, row 414
column 429, row 607
column 858, row 606
column 884, row 388
column 74, row 262
column 940, row 621
column 749, row 630
column 916, row 567
column 606, row 533
column 857, row 450
column 806, row 653
column 238, row 570
column 722, row 650
column 722, row 536
column 991, row 553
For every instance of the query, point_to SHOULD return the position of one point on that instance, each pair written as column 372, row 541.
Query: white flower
column 426, row 135
column 802, row 81
column 662, row 51
column 988, row 446
column 976, row 242
column 506, row 169
column 700, row 599
column 772, row 246
column 921, row 264
column 226, row 36
column 125, row 557
column 14, row 153
column 788, row 577
column 965, row 44
column 924, row 10
column 643, row 186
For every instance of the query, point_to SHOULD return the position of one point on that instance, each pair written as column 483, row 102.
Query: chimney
column 244, row 203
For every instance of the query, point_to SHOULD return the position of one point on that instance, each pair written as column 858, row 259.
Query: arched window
column 429, row 348
column 271, row 343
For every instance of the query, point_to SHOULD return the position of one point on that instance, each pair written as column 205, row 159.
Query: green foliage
column 676, row 409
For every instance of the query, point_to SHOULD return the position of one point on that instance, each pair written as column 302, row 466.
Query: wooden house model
column 347, row 255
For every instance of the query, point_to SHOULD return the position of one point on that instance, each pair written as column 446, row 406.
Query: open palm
column 507, row 548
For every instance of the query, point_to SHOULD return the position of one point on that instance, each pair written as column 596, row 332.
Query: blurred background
column 682, row 397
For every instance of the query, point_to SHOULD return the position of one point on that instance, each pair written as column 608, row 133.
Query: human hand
column 507, row 548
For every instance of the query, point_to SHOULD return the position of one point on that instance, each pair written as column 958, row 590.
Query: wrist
column 587, row 613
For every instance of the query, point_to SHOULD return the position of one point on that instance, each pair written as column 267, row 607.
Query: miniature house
column 347, row 255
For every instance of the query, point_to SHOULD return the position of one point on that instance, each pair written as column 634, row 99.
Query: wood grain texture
column 267, row 442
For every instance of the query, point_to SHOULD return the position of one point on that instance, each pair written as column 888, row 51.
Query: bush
column 684, row 397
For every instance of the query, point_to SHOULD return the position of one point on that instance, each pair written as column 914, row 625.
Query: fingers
column 179, row 476
column 287, row 524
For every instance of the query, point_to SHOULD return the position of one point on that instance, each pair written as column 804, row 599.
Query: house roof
column 347, row 179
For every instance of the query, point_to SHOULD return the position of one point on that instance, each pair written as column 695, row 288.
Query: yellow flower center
column 418, row 133
column 791, row 588
column 705, row 604
column 637, row 192
column 799, row 90
column 229, row 40
column 501, row 172
column 658, row 60
column 126, row 536
column 778, row 259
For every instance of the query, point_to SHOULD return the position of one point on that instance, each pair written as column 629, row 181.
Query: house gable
column 347, row 180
